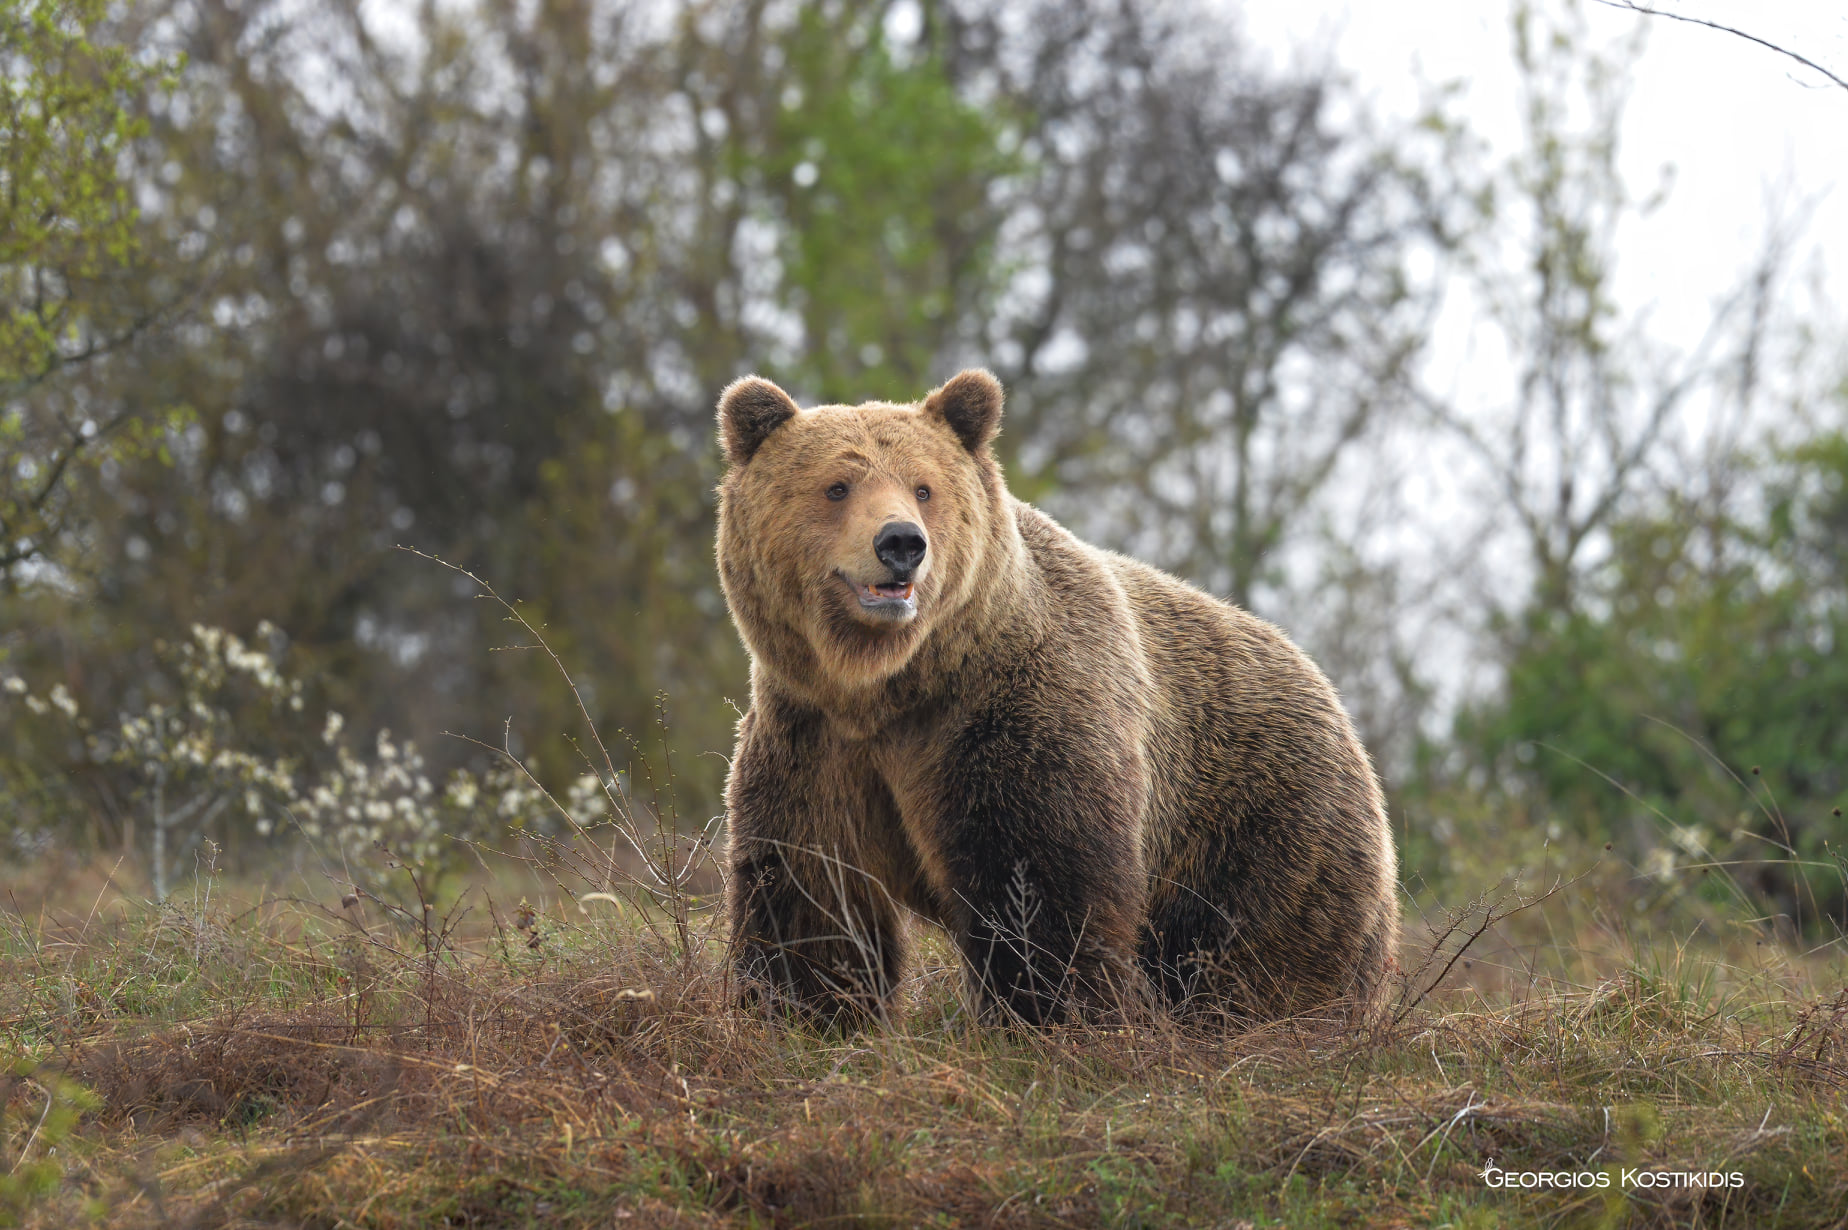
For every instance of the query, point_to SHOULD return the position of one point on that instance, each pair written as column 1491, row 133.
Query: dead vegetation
column 299, row 1064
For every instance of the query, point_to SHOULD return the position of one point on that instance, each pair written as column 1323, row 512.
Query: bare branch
column 1714, row 25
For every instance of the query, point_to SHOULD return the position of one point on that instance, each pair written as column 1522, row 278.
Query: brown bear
column 1098, row 780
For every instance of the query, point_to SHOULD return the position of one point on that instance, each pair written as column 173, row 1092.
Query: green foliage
column 67, row 118
column 39, row 1131
column 1690, row 707
column 880, row 171
column 70, row 245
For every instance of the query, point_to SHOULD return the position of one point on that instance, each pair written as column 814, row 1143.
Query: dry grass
column 294, row 1063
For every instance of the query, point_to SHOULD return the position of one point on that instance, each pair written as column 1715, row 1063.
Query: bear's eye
column 838, row 491
column 923, row 493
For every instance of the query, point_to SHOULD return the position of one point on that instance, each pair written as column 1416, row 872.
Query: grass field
column 241, row 1059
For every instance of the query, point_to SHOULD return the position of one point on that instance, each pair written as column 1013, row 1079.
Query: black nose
column 899, row 545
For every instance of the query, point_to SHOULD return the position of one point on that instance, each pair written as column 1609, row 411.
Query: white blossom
column 62, row 698
column 462, row 791
column 197, row 746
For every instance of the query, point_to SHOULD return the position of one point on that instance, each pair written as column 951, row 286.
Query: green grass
column 288, row 1063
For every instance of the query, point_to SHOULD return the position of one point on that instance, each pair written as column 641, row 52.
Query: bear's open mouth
column 885, row 591
column 885, row 599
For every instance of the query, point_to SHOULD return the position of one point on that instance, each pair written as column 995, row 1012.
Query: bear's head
column 847, row 534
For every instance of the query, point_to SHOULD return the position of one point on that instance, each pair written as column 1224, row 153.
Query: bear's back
column 1245, row 735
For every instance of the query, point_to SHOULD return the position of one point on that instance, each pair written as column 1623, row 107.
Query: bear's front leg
column 814, row 926
column 1040, row 834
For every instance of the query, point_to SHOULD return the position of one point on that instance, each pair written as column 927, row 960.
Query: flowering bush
column 194, row 756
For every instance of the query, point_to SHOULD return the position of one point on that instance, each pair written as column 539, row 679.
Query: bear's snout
column 900, row 546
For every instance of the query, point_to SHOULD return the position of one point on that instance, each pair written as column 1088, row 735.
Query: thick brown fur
column 1098, row 780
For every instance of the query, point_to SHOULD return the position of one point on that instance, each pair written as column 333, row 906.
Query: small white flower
column 586, row 798
column 1659, row 864
column 331, row 731
column 13, row 684
column 63, row 700
column 37, row 706
column 463, row 791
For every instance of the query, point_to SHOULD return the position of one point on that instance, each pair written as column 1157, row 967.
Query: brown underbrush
column 287, row 1062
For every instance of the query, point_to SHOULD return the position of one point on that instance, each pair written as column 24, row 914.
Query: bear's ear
column 749, row 410
column 971, row 404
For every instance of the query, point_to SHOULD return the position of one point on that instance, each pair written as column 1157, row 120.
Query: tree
column 1595, row 400
column 1214, row 299
column 1689, row 707
column 477, row 295
column 1640, row 601
column 474, row 289
column 876, row 174
column 70, row 247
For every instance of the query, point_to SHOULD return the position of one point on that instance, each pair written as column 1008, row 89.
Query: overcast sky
column 1740, row 124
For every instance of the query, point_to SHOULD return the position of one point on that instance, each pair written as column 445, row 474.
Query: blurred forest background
column 287, row 283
